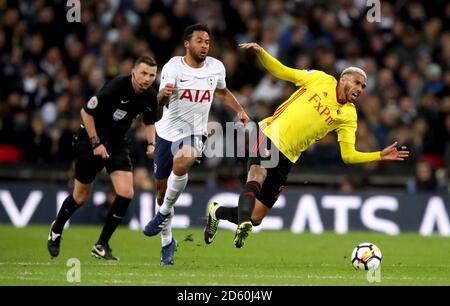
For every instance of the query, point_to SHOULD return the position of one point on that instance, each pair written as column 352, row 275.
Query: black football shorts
column 87, row 165
column 276, row 163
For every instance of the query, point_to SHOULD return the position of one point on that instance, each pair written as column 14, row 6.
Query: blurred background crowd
column 50, row 67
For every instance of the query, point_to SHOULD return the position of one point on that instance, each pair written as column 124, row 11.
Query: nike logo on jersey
column 124, row 102
column 181, row 81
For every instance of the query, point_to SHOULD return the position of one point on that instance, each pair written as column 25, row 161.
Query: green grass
column 268, row 258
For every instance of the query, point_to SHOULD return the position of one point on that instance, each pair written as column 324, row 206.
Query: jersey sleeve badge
column 92, row 103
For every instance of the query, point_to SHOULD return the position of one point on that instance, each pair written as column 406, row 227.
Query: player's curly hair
column 195, row 27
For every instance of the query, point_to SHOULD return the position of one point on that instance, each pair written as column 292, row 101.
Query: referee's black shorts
column 276, row 163
column 87, row 165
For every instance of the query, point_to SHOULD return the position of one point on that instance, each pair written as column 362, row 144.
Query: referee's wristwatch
column 94, row 141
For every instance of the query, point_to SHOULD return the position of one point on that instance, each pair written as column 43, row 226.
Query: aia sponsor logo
column 196, row 96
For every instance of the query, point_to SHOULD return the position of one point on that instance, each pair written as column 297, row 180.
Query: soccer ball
column 366, row 256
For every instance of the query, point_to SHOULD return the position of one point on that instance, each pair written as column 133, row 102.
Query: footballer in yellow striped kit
column 320, row 105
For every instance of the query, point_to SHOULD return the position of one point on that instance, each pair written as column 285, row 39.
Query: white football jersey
column 188, row 108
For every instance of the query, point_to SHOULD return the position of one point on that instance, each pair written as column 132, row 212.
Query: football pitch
column 268, row 258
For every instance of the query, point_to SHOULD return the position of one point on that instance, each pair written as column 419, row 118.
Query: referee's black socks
column 247, row 201
column 68, row 207
column 115, row 215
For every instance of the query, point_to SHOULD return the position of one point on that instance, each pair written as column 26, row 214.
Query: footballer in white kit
column 187, row 88
column 187, row 112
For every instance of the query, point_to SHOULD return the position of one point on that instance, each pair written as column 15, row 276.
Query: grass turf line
column 268, row 258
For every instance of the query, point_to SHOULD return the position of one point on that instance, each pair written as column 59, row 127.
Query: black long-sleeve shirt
column 116, row 106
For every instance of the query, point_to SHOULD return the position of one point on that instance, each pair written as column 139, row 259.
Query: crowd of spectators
column 50, row 67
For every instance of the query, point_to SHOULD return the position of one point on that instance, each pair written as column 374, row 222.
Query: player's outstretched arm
column 272, row 65
column 230, row 100
column 393, row 152
column 351, row 156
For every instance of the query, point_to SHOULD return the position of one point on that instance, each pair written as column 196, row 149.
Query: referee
column 101, row 143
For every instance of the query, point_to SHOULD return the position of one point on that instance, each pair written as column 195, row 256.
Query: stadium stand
column 50, row 67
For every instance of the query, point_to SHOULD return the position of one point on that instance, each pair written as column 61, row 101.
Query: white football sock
column 175, row 186
column 166, row 232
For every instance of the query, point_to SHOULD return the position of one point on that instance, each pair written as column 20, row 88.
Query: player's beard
column 197, row 57
column 347, row 93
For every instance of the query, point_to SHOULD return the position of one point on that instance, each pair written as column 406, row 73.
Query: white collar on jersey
column 190, row 67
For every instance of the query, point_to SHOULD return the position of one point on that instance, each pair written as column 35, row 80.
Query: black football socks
column 247, row 201
column 115, row 215
column 67, row 209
